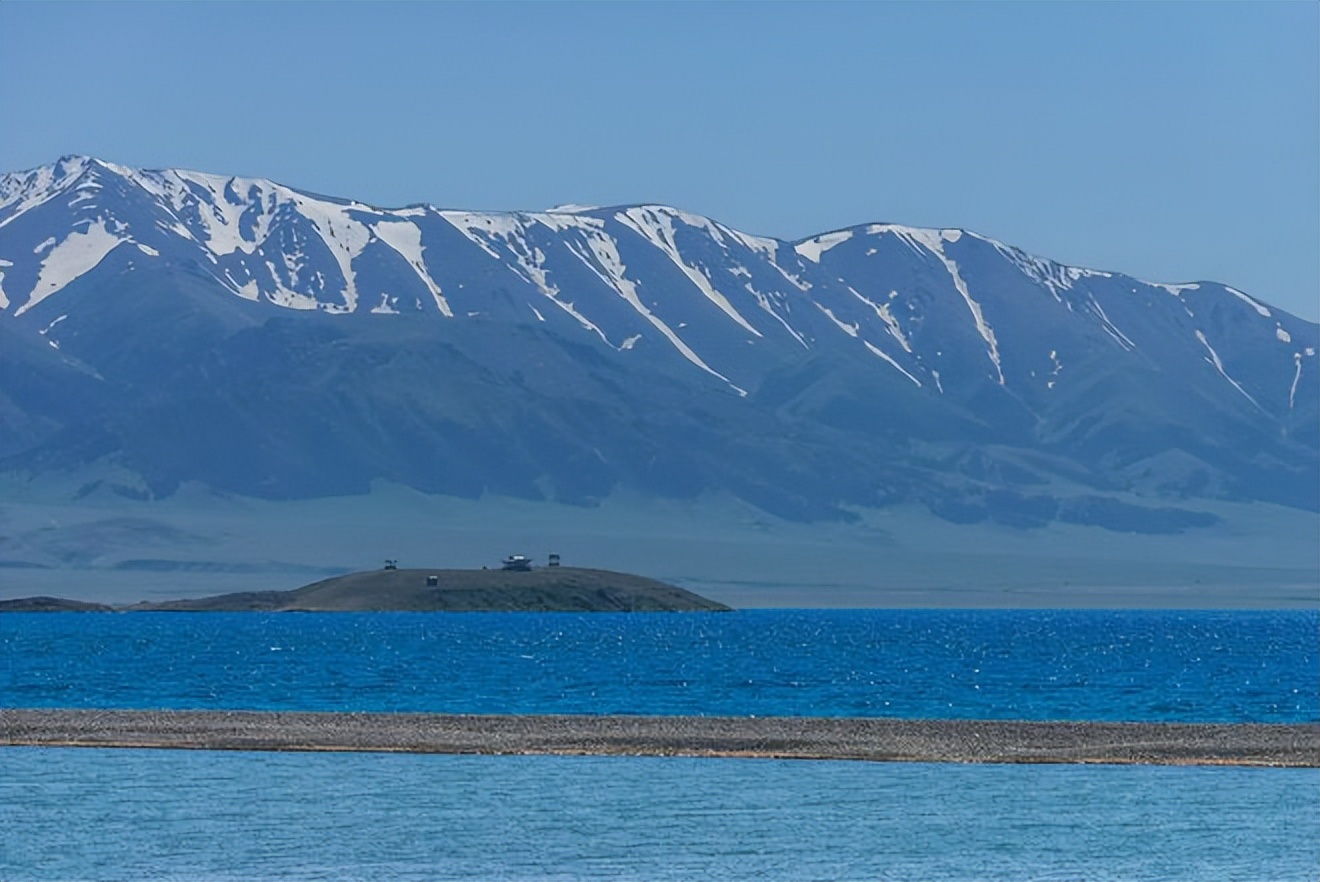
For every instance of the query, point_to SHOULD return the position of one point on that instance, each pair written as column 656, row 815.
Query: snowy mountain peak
column 936, row 308
column 153, row 317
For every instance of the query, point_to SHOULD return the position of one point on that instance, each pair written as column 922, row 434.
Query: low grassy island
column 544, row 589
column 51, row 604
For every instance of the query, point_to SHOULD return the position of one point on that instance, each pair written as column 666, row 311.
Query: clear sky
column 1172, row 141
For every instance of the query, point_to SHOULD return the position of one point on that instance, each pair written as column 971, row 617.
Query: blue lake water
column 1071, row 665
column 222, row 817
column 69, row 815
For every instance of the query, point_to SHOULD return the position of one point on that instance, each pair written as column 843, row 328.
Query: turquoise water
column 221, row 817
column 103, row 815
column 1073, row 665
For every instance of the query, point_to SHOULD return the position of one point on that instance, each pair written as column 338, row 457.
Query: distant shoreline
column 870, row 739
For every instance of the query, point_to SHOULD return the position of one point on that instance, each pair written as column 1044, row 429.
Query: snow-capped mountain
column 187, row 326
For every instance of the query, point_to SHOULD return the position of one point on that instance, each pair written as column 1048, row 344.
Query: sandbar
column 870, row 739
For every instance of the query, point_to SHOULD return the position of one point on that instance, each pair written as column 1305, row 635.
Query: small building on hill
column 517, row 562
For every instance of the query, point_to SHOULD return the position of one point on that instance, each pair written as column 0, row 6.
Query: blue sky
column 1171, row 141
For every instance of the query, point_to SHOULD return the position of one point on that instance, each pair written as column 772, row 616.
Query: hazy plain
column 116, row 550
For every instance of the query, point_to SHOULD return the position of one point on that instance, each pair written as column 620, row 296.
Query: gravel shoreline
column 880, row 740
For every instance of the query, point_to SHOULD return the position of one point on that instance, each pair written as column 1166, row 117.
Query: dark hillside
column 550, row 589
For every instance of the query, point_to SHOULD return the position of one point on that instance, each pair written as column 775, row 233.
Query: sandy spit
column 881, row 740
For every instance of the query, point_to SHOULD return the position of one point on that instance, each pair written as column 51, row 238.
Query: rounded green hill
column 545, row 589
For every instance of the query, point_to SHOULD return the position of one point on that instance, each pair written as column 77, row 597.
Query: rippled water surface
column 101, row 815
column 1086, row 665
column 183, row 815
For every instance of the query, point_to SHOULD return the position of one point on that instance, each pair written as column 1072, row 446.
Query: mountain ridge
column 269, row 341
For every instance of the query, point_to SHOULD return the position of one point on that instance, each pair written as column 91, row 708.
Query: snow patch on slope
column 405, row 238
column 1175, row 290
column 656, row 225
column 850, row 330
column 882, row 311
column 233, row 214
column 481, row 229
column 933, row 241
column 508, row 231
column 812, row 249
column 609, row 266
column 764, row 301
column 287, row 297
column 1110, row 328
column 219, row 216
column 560, row 221
column 20, row 193
column 1297, row 376
column 487, row 231
column 345, row 241
column 879, row 352
column 768, row 248
column 1250, row 301
column 1055, row 277
column 77, row 254
column 1058, row 368
column 1219, row 366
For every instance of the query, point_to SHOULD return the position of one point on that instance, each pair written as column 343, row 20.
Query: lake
column 205, row 816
